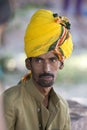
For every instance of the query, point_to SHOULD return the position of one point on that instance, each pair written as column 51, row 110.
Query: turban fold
column 48, row 32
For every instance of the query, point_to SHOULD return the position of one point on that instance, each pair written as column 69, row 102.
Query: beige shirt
column 24, row 109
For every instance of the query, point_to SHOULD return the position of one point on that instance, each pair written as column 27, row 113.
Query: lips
column 46, row 78
column 46, row 75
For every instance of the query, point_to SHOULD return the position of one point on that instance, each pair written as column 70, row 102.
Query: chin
column 46, row 85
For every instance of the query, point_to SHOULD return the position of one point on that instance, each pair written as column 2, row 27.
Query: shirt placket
column 39, row 116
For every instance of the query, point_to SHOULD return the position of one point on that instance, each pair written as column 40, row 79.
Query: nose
column 46, row 67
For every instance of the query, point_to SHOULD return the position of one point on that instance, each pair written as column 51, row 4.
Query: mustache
column 46, row 74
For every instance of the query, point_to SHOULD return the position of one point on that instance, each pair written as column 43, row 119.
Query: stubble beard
column 45, row 84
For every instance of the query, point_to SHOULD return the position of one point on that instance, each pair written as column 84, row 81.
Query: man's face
column 44, row 69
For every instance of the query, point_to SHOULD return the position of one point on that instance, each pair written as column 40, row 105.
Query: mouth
column 47, row 77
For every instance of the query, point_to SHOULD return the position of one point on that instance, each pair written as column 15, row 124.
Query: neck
column 44, row 91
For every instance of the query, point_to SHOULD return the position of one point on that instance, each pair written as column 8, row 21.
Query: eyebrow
column 38, row 57
column 56, row 57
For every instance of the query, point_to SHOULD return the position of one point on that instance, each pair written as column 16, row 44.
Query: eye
column 53, row 59
column 38, row 60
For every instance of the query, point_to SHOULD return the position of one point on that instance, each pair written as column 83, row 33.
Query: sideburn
column 28, row 63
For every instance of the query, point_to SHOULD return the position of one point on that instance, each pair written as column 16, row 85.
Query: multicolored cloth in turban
column 48, row 31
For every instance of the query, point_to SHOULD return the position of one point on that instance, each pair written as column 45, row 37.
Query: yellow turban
column 48, row 31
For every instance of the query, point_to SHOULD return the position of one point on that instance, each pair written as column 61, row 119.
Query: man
column 33, row 104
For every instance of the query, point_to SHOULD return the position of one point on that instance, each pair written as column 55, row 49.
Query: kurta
column 24, row 109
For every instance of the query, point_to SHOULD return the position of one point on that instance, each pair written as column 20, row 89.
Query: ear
column 28, row 63
column 61, row 65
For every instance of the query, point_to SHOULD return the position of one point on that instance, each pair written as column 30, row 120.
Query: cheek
column 35, row 75
column 56, row 67
column 55, row 70
column 35, row 71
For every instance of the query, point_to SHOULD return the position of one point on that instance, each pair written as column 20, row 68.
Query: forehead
column 47, row 55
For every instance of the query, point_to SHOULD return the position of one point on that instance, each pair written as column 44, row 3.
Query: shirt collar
column 31, row 88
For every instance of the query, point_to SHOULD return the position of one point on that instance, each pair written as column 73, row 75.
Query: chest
column 33, row 115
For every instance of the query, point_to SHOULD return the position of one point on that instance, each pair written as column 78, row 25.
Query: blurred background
column 14, row 17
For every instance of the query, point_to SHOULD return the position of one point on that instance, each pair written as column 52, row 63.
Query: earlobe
column 28, row 64
column 61, row 65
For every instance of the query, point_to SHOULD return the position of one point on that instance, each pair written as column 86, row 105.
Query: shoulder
column 59, row 99
column 13, row 93
column 10, row 94
column 63, row 102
